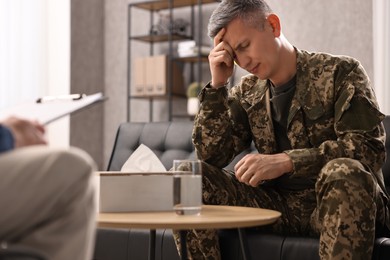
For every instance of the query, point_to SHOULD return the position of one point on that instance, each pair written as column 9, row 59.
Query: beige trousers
column 48, row 202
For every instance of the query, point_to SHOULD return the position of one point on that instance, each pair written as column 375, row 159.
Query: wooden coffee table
column 215, row 217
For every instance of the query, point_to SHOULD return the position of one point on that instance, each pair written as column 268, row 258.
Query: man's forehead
column 234, row 32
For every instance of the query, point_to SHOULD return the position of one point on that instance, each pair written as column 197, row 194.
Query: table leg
column 152, row 245
column 183, row 244
column 244, row 244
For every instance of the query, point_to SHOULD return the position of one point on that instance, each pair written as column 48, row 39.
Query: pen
column 61, row 97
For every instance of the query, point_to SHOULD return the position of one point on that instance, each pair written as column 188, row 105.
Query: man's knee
column 73, row 160
column 346, row 173
column 74, row 170
column 216, row 184
column 69, row 168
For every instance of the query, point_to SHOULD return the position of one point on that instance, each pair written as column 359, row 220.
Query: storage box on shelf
column 151, row 77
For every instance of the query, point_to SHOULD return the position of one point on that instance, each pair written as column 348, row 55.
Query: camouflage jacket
column 333, row 114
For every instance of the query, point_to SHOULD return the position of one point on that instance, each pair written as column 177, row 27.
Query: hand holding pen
column 25, row 132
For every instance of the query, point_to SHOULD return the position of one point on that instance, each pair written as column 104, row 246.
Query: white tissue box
column 129, row 192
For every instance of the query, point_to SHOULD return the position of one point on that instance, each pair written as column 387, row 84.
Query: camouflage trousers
column 341, row 208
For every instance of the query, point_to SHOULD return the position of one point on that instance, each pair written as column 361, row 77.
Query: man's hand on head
column 221, row 59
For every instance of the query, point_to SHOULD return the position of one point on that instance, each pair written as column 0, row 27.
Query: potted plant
column 192, row 97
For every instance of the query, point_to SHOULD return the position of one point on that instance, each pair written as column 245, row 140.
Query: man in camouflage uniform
column 316, row 125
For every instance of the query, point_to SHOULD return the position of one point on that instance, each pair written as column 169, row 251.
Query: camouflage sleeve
column 357, row 124
column 221, row 128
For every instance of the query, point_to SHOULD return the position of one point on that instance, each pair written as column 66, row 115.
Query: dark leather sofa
column 172, row 140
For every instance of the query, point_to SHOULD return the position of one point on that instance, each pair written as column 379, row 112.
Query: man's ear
column 274, row 22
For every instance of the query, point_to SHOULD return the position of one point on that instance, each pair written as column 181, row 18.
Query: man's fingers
column 238, row 165
column 223, row 45
column 219, row 37
column 222, row 57
column 39, row 126
column 224, row 48
column 229, row 51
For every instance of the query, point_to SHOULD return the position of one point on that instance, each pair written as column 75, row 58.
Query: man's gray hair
column 253, row 12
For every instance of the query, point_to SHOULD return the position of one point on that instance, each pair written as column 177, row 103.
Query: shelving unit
column 151, row 39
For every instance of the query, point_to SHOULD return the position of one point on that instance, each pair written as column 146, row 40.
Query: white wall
column 35, row 53
column 22, row 46
column 58, row 60
column 381, row 29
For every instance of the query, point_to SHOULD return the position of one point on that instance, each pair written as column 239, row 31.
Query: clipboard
column 48, row 109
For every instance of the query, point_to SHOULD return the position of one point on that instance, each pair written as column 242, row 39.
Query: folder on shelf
column 50, row 108
column 151, row 77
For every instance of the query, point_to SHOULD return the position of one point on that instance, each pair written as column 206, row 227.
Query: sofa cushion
column 160, row 137
column 111, row 244
column 292, row 248
column 267, row 245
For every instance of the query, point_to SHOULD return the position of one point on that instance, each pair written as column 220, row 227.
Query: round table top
column 210, row 217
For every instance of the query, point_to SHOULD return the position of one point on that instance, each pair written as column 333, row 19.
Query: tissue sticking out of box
column 143, row 159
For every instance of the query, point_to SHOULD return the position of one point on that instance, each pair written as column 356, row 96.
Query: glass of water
column 187, row 187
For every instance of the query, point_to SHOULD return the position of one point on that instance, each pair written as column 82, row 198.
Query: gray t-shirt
column 280, row 104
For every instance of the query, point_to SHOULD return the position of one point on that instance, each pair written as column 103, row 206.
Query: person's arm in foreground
column 16, row 132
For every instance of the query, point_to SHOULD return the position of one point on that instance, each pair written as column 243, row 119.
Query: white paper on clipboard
column 47, row 112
